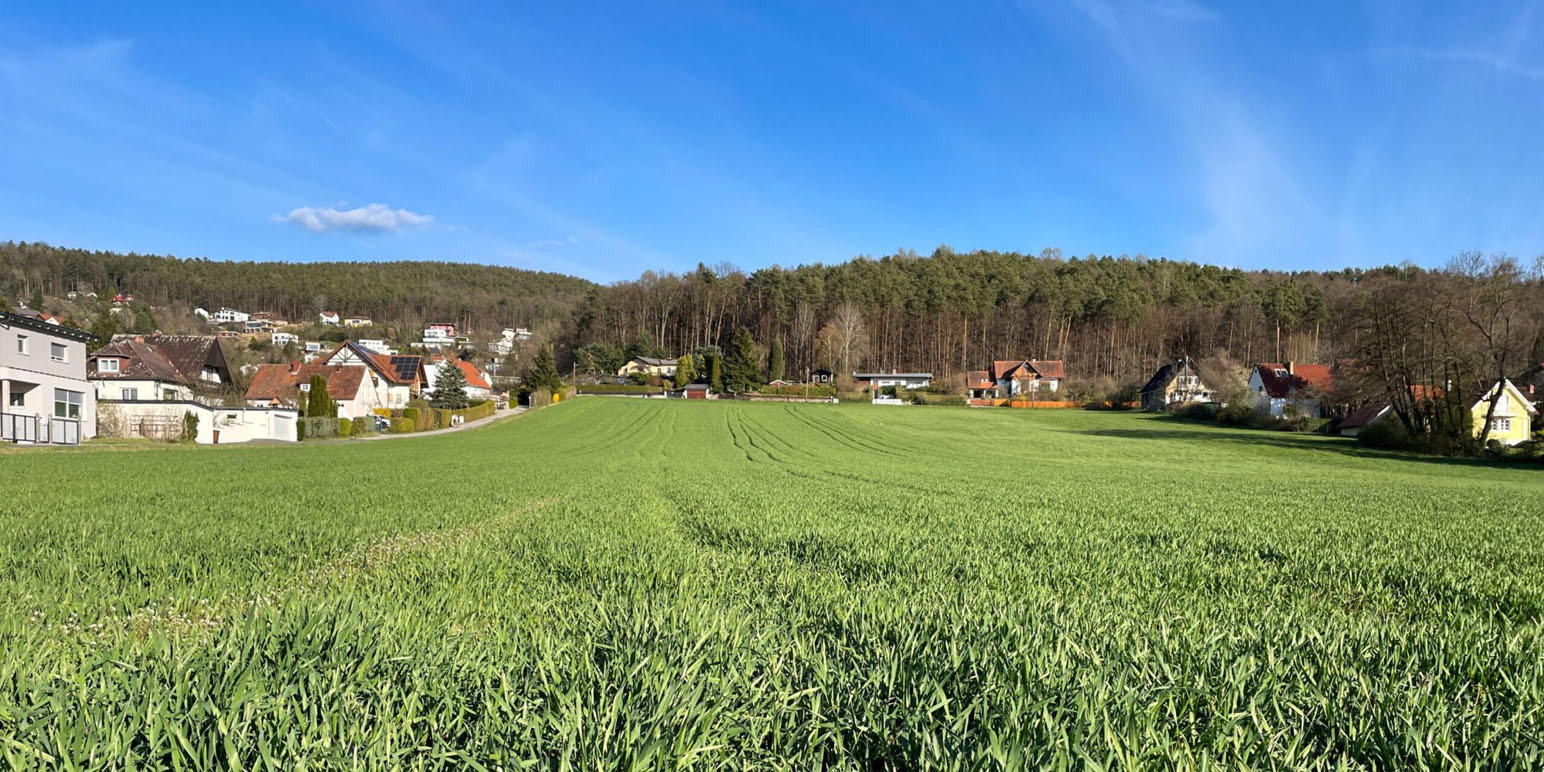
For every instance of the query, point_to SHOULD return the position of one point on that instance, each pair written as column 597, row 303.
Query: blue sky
column 606, row 139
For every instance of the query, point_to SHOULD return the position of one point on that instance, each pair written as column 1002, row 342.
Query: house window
column 131, row 393
column 21, row 344
column 56, row 352
column 107, row 365
column 18, row 399
column 1501, row 424
column 67, row 403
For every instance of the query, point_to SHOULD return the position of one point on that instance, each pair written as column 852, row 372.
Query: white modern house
column 229, row 316
column 44, row 394
column 438, row 336
column 284, row 338
column 377, row 345
column 878, row 381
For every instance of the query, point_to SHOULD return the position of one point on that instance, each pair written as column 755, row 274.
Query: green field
column 628, row 584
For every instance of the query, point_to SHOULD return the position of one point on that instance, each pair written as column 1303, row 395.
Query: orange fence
column 1037, row 405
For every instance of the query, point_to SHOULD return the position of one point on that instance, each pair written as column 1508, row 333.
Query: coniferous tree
column 775, row 366
column 319, row 404
column 544, row 372
column 741, row 368
column 450, row 387
column 103, row 327
column 36, row 303
column 715, row 369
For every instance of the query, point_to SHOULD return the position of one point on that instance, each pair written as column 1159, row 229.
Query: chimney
column 1289, row 368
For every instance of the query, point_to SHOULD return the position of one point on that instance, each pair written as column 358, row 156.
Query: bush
column 612, row 388
column 424, row 418
column 402, row 426
column 317, row 427
column 797, row 391
column 362, row 426
column 412, row 414
column 1196, row 411
column 345, row 427
column 189, row 426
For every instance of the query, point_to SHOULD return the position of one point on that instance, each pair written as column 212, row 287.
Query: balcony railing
column 39, row 429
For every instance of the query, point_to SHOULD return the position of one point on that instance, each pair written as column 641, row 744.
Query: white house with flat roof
column 44, row 395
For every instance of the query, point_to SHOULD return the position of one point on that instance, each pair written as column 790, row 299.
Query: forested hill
column 474, row 296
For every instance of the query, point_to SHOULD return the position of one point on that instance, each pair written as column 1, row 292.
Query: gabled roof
column 1518, row 395
column 380, row 363
column 1004, row 369
column 53, row 327
column 282, row 382
column 977, row 379
column 1303, row 375
column 1167, row 373
column 140, row 361
column 654, row 362
column 1363, row 415
column 188, row 353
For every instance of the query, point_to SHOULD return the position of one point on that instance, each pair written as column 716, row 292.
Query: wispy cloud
column 1501, row 62
column 552, row 243
column 371, row 218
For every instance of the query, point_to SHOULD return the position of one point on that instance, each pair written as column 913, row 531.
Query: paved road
column 499, row 416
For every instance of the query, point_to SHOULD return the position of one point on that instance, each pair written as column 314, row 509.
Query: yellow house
column 664, row 368
column 1513, row 420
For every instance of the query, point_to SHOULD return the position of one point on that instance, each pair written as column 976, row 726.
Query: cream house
column 44, row 394
column 1512, row 420
column 664, row 368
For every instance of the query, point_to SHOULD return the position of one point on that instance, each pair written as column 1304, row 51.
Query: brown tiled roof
column 282, row 382
column 1034, row 368
column 188, row 353
column 977, row 379
column 1303, row 375
column 138, row 361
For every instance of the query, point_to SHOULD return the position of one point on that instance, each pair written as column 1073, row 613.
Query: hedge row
column 798, row 391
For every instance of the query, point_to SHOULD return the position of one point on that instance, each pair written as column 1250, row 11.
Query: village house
column 44, row 394
column 357, row 321
column 822, row 377
column 377, row 345
column 1175, row 383
column 282, row 339
column 199, row 358
column 288, row 385
column 328, row 318
column 477, row 381
column 1027, row 377
column 1512, row 421
column 131, row 370
column 394, row 378
column 979, row 384
column 648, row 366
column 229, row 316
column 877, row 381
column 1295, row 387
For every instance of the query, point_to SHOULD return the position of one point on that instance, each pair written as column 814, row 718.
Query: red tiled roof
column 1303, row 375
column 1048, row 368
column 473, row 376
column 977, row 379
column 282, row 382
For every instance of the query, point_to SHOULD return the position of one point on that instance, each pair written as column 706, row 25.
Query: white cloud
column 551, row 243
column 371, row 218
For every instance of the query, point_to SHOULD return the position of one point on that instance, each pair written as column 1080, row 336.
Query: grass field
column 631, row 584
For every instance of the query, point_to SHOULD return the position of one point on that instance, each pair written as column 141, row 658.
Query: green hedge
column 612, row 388
column 797, row 391
column 402, row 426
column 421, row 415
column 318, row 428
column 345, row 427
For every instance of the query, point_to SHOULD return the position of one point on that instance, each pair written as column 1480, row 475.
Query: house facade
column 1027, row 377
column 1175, row 383
column 900, row 380
column 328, row 318
column 289, row 385
column 131, row 370
column 394, row 378
column 229, row 316
column 664, row 368
column 45, row 397
column 199, row 358
column 1283, row 387
column 1512, row 420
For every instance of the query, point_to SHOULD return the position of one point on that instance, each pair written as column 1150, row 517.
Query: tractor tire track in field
column 750, row 437
column 839, row 434
column 735, row 438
